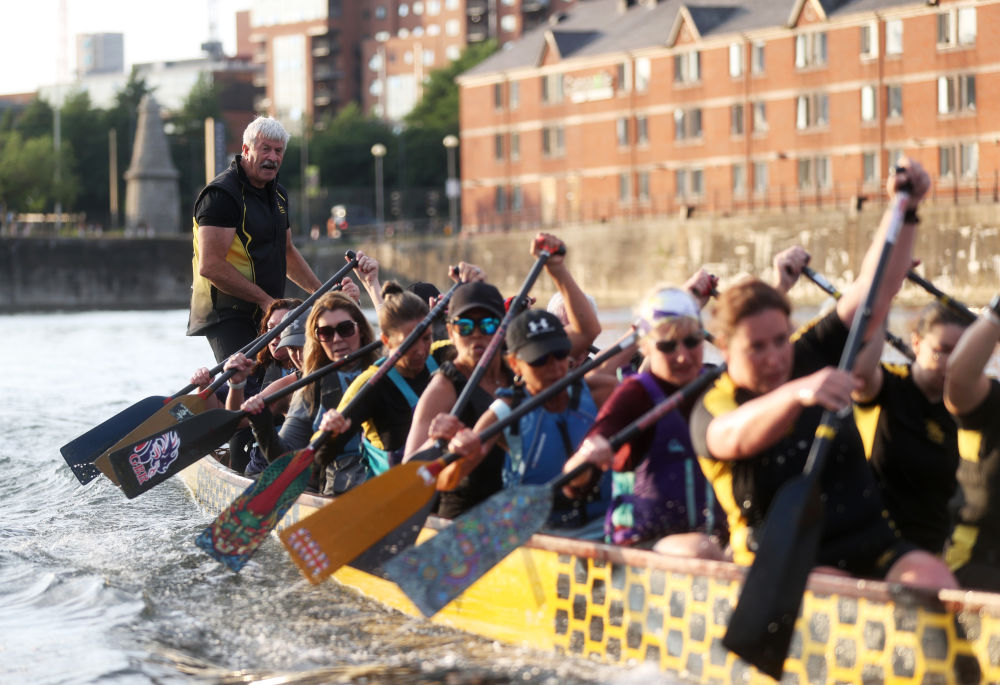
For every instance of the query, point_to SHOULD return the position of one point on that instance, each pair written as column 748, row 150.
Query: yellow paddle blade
column 323, row 542
column 169, row 414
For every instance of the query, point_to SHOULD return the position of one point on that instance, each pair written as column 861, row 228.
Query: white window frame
column 757, row 57
column 869, row 104
column 869, row 40
column 687, row 67
column 737, row 120
column 688, row 124
column 812, row 111
column 737, row 58
column 956, row 93
column 759, row 109
column 760, row 180
column 811, row 50
column 894, row 37
column 643, row 71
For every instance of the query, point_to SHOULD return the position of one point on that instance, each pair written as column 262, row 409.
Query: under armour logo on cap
column 539, row 327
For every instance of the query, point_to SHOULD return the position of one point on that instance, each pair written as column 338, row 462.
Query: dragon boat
column 628, row 606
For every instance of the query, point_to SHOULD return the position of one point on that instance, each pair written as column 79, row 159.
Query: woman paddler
column 754, row 427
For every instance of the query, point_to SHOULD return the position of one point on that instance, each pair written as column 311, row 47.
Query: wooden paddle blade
column 353, row 522
column 81, row 452
column 169, row 414
column 147, row 463
column 439, row 570
column 762, row 624
column 240, row 529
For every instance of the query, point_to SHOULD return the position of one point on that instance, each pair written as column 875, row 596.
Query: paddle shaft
column 945, row 299
column 831, row 290
column 262, row 341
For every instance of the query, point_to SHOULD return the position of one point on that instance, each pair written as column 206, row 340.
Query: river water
column 95, row 587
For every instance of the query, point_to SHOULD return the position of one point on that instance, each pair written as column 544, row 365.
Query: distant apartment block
column 623, row 107
column 319, row 55
column 100, row 53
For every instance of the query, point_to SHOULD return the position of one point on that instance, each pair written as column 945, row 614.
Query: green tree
column 84, row 128
column 27, row 170
column 341, row 147
column 187, row 138
column 122, row 117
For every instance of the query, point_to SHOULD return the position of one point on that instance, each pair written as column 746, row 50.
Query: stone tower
column 152, row 198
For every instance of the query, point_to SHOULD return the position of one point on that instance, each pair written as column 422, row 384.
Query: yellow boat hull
column 628, row 606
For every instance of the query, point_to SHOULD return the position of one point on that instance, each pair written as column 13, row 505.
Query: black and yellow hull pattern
column 629, row 606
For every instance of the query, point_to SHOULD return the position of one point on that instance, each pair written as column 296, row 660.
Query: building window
column 868, row 108
column 814, row 173
column 621, row 131
column 869, row 167
column 736, row 66
column 642, row 183
column 965, row 154
column 869, row 40
column 498, row 147
column 624, row 188
column 453, row 52
column 433, row 30
column 956, row 27
column 812, row 111
column 418, row 8
column 757, row 57
column 515, row 146
column 508, row 23
column 497, row 96
column 894, row 37
column 451, row 4
column 433, row 7
column 760, row 178
column 810, row 50
column 687, row 124
column 689, row 182
column 736, row 120
column 552, row 89
column 516, row 198
column 514, row 94
column 428, row 58
column 894, row 101
column 621, row 77
column 452, row 27
column 739, row 179
column 687, row 67
column 642, row 71
column 956, row 94
column 893, row 155
column 641, row 131
column 380, row 12
column 759, row 117
column 501, row 199
column 404, row 10
column 553, row 141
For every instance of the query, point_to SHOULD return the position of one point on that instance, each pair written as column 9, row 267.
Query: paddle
column 945, row 299
column 831, row 290
column 405, row 534
column 761, row 626
column 83, row 450
column 340, row 531
column 147, row 463
column 239, row 529
column 439, row 570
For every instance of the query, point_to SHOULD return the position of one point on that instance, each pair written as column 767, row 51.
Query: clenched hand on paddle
column 153, row 414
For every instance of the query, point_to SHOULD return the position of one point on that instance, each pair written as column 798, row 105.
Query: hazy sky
column 29, row 43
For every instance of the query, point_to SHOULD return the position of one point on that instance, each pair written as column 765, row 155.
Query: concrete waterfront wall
column 959, row 247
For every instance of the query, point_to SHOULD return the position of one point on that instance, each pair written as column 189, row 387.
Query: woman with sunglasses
column 382, row 415
column 754, row 427
column 662, row 498
column 335, row 328
column 474, row 314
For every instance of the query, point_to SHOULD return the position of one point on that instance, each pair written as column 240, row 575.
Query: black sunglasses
column 345, row 329
column 669, row 346
column 487, row 325
column 542, row 361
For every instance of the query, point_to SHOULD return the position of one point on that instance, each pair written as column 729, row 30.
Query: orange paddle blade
column 336, row 534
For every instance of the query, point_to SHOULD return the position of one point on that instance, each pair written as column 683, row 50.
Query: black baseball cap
column 535, row 333
column 476, row 295
column 424, row 290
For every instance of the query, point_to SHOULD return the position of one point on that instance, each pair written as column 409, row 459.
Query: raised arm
column 965, row 383
column 583, row 326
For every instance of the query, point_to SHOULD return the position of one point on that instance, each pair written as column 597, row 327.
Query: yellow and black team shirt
column 260, row 217
column 912, row 446
column 976, row 538
column 856, row 530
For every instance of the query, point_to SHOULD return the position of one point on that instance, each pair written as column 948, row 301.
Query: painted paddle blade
column 323, row 542
column 240, row 529
column 143, row 465
column 169, row 414
column 81, row 452
column 763, row 621
column 439, row 570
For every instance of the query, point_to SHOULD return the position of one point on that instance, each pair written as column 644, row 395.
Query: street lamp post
column 378, row 152
column 452, row 186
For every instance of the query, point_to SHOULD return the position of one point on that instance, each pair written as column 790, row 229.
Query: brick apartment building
column 639, row 107
column 319, row 55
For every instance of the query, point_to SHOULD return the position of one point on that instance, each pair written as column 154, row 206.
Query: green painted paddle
column 81, row 452
column 240, row 529
column 942, row 297
column 763, row 621
column 439, row 570
column 147, row 463
column 343, row 529
column 831, row 290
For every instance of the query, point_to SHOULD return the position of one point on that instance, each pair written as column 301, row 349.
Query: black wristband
column 910, row 216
